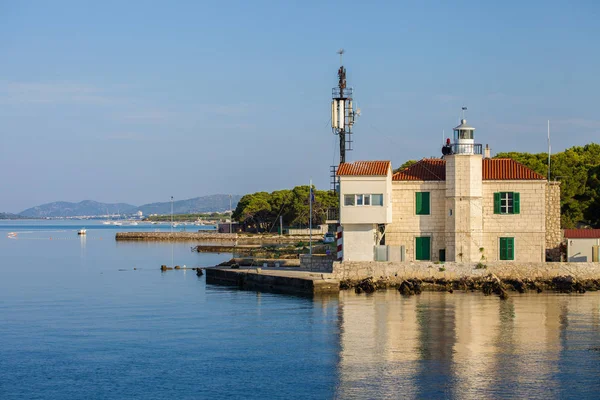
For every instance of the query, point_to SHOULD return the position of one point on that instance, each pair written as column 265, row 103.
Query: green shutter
column 423, row 248
column 511, row 248
column 516, row 203
column 497, row 203
column 426, row 203
column 422, row 203
column 507, row 248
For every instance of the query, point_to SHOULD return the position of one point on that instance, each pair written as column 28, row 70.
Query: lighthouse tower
column 464, row 196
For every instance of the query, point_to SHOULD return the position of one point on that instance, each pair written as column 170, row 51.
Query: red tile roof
column 582, row 233
column 364, row 168
column 500, row 169
column 428, row 169
column 493, row 169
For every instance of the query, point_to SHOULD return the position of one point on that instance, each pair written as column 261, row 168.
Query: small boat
column 82, row 231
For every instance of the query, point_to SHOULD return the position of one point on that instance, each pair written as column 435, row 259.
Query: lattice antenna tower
column 343, row 116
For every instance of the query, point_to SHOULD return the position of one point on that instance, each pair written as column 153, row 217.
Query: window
column 507, row 248
column 348, row 199
column 423, row 248
column 377, row 200
column 363, row 199
column 422, row 203
column 507, row 203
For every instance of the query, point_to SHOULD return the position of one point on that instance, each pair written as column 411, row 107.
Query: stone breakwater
column 211, row 237
column 176, row 236
column 494, row 278
column 358, row 270
column 498, row 278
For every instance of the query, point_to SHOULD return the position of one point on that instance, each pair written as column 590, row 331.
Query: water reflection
column 466, row 345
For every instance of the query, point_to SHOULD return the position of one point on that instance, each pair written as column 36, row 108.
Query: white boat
column 117, row 223
column 82, row 231
column 106, row 223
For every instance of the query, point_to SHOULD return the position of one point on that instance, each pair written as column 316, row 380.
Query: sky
column 138, row 101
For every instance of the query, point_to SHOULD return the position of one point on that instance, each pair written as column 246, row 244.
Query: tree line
column 262, row 210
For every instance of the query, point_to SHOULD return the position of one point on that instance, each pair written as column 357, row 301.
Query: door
column 423, row 248
column 442, row 255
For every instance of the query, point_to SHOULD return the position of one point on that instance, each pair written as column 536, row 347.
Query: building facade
column 463, row 208
column 583, row 245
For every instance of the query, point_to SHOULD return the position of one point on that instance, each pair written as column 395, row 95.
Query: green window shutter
column 511, row 248
column 516, row 203
column 422, row 203
column 507, row 248
column 423, row 248
column 426, row 202
column 497, row 203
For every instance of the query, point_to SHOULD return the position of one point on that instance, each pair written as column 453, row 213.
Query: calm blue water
column 77, row 321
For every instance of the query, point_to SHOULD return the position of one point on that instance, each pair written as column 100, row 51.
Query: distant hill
column 86, row 207
column 212, row 203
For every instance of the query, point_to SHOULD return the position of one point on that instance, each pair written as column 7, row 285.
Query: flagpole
column 310, row 195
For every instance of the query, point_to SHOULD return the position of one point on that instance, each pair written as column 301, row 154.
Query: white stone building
column 583, row 245
column 463, row 207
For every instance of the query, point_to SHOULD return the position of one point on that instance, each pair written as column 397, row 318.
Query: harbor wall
column 269, row 281
column 210, row 237
column 398, row 271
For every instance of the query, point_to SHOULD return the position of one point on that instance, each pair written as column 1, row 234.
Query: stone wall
column 553, row 231
column 317, row 262
column 527, row 227
column 450, row 270
column 406, row 224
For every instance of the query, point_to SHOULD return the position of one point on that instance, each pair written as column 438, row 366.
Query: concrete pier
column 288, row 282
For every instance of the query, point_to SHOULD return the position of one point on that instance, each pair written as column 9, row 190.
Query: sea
column 91, row 318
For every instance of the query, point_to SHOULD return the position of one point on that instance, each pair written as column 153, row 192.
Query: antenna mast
column 342, row 117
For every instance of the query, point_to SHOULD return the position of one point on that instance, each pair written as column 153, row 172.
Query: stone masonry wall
column 553, row 231
column 317, row 263
column 450, row 270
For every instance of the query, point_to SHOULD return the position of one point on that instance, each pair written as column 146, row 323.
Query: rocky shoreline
column 488, row 285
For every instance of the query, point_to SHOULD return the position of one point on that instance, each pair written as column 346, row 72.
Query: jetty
column 272, row 280
column 213, row 237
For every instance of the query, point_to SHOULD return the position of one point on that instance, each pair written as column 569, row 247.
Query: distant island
column 90, row 208
column 4, row 215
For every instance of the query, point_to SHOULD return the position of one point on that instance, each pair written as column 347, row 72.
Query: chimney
column 487, row 151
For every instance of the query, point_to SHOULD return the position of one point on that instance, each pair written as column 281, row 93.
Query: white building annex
column 463, row 207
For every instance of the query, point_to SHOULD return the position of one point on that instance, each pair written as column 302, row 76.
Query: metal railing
column 470, row 148
column 333, row 214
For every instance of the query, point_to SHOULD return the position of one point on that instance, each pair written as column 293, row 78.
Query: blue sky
column 138, row 101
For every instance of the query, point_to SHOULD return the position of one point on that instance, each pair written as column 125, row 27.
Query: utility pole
column 230, row 216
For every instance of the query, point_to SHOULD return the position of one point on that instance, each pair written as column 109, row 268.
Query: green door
column 442, row 255
column 423, row 248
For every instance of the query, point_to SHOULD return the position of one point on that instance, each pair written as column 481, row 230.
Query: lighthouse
column 464, row 196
